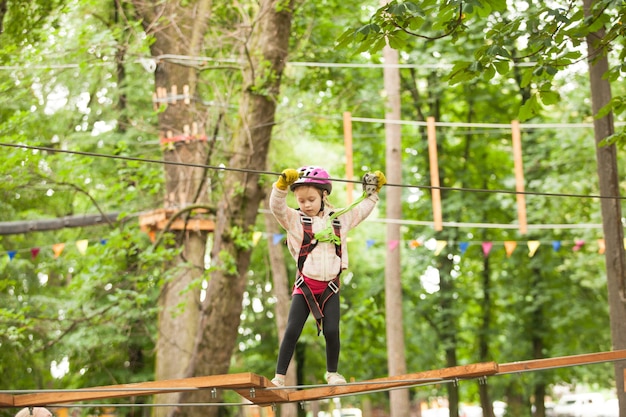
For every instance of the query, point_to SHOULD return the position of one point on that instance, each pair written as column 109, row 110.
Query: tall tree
column 179, row 29
column 608, row 176
column 202, row 340
column 396, row 360
column 267, row 49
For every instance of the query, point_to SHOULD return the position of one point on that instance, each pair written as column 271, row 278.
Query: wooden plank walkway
column 426, row 377
column 562, row 362
column 230, row 381
column 6, row 400
column 260, row 391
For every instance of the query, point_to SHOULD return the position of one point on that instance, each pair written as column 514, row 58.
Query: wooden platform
column 156, row 220
column 260, row 391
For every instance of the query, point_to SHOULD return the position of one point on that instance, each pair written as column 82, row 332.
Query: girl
column 316, row 240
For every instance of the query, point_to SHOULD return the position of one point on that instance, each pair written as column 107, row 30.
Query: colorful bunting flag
column 533, row 245
column 509, row 247
column 57, row 248
column 601, row 246
column 441, row 244
column 81, row 245
column 487, row 248
column 278, row 237
column 463, row 247
column 256, row 236
column 414, row 244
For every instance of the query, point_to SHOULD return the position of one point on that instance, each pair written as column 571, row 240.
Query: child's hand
column 382, row 180
column 373, row 182
column 287, row 177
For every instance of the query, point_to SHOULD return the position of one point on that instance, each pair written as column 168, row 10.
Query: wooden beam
column 562, row 362
column 398, row 381
column 6, row 400
column 264, row 396
column 435, row 192
column 159, row 219
column 230, row 381
column 519, row 176
column 27, row 226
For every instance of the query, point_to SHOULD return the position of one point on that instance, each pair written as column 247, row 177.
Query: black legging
column 298, row 314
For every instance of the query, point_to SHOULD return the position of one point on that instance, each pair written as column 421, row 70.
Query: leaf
column 530, row 108
column 396, row 42
column 503, row 67
column 616, row 104
column 489, row 72
column 549, row 97
column 615, row 138
column 527, row 76
column 461, row 71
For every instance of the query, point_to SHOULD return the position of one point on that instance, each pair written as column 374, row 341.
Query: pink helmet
column 315, row 176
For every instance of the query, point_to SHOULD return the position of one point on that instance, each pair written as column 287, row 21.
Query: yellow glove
column 373, row 182
column 382, row 180
column 287, row 177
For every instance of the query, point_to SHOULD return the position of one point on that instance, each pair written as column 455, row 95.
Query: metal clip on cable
column 370, row 183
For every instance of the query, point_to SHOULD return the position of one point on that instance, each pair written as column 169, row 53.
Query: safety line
column 223, row 168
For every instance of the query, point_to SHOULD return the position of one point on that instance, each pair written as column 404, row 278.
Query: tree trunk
column 611, row 207
column 483, row 336
column 179, row 30
column 396, row 360
column 237, row 210
column 283, row 297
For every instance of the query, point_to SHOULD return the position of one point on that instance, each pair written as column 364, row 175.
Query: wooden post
column 347, row 138
column 519, row 176
column 434, row 173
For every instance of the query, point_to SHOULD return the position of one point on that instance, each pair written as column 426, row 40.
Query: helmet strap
column 323, row 194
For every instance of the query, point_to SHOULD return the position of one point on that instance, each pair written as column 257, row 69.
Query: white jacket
column 322, row 263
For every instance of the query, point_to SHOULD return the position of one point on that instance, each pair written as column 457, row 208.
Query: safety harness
column 331, row 234
column 309, row 241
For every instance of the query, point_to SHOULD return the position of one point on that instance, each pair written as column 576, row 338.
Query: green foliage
column 549, row 39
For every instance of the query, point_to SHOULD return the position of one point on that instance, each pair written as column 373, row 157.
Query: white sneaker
column 279, row 381
column 334, row 378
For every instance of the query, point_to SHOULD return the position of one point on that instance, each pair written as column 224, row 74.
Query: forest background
column 85, row 113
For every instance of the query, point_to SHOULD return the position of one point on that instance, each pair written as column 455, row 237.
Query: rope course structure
column 258, row 390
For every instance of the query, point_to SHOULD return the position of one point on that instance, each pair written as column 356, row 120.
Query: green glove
column 373, row 182
column 287, row 177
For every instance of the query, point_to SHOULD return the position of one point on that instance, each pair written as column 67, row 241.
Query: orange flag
column 57, row 248
column 509, row 247
column 601, row 246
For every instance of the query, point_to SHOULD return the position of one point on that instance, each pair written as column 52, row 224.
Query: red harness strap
column 316, row 302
